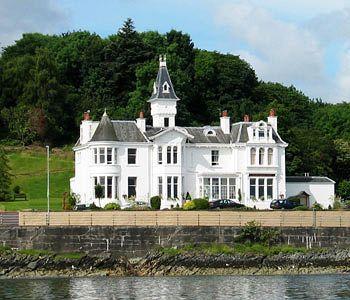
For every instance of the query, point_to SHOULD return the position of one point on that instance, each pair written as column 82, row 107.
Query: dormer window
column 208, row 131
column 261, row 134
column 166, row 87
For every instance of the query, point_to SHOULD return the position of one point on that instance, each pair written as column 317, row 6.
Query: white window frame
column 215, row 156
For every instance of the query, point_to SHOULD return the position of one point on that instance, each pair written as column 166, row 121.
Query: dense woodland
column 48, row 81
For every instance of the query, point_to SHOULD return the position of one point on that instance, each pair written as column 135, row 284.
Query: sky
column 305, row 43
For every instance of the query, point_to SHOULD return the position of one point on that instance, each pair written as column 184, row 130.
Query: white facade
column 244, row 161
column 320, row 189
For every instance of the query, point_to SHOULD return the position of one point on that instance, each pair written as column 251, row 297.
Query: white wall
column 320, row 192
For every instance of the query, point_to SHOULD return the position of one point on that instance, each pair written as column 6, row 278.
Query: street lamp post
column 48, row 185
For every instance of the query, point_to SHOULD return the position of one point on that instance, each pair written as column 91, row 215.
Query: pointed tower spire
column 105, row 130
column 163, row 99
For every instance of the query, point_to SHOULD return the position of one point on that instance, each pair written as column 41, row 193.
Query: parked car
column 80, row 207
column 224, row 203
column 288, row 203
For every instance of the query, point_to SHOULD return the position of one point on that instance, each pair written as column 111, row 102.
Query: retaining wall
column 133, row 241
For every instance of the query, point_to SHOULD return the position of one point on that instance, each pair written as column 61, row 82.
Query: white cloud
column 284, row 51
column 18, row 17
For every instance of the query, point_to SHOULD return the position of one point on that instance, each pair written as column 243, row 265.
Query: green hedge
column 155, row 202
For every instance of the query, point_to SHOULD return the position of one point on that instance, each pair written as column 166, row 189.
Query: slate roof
column 127, row 131
column 104, row 131
column 316, row 179
column 162, row 77
column 200, row 137
column 239, row 133
column 120, row 131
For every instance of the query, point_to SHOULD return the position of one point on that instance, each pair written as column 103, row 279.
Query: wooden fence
column 188, row 218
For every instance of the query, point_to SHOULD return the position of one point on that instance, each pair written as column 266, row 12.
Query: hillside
column 29, row 172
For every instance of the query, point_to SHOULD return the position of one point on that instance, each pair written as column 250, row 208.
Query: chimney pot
column 86, row 116
column 141, row 116
column 224, row 113
column 272, row 112
column 246, row 118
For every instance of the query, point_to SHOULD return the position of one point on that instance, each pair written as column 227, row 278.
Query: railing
column 188, row 218
column 9, row 218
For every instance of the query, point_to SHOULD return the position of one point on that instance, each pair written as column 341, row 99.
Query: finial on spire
column 162, row 60
column 105, row 113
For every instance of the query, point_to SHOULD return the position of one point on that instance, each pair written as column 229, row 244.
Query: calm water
column 195, row 287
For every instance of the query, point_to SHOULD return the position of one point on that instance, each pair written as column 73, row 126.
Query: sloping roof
column 200, row 137
column 162, row 77
column 104, row 131
column 315, row 179
column 127, row 131
column 239, row 133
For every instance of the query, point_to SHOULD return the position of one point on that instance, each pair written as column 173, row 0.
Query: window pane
column 252, row 156
column 175, row 186
column 223, row 189
column 174, row 155
column 269, row 188
column 131, row 186
column 169, row 186
column 160, row 155
column 160, row 186
column 252, row 188
column 261, row 156
column 116, row 187
column 166, row 122
column 214, row 157
column 232, row 188
column 109, row 186
column 270, row 156
column 109, row 156
column 103, row 184
column 168, row 151
column 131, row 156
column 115, row 155
column 95, row 155
column 102, row 155
column 215, row 188
column 206, row 188
column 261, row 188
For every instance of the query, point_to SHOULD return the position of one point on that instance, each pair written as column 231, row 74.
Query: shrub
column 189, row 205
column 112, row 206
column 17, row 190
column 93, row 206
column 156, row 202
column 317, row 206
column 201, row 203
column 337, row 204
column 302, row 207
column 252, row 232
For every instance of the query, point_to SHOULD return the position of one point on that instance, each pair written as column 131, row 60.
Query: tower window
column 165, row 87
column 166, row 122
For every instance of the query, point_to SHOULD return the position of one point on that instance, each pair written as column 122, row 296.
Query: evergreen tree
column 5, row 176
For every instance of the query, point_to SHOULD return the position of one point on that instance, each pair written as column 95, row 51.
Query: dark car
column 285, row 203
column 80, row 207
column 225, row 203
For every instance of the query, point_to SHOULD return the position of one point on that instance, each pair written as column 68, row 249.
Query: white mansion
column 244, row 161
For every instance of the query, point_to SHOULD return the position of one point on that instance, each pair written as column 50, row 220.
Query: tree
column 99, row 193
column 344, row 189
column 5, row 176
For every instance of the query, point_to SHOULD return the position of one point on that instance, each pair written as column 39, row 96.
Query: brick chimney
column 141, row 122
column 86, row 115
column 246, row 118
column 85, row 128
column 225, row 122
column 272, row 119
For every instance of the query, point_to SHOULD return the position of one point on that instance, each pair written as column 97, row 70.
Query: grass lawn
column 29, row 172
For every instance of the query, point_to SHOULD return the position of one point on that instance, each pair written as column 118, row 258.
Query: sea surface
column 190, row 287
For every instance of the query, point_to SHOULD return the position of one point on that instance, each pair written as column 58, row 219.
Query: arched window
column 160, row 155
column 261, row 156
column 168, row 155
column 252, row 156
column 269, row 156
column 174, row 155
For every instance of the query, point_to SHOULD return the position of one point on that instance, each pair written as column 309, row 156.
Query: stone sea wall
column 138, row 241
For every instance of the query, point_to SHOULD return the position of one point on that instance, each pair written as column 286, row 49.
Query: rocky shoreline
column 16, row 265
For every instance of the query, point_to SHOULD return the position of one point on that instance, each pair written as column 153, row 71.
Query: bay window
column 105, row 155
column 261, row 188
column 109, row 186
column 160, row 155
column 218, row 187
column 172, row 187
